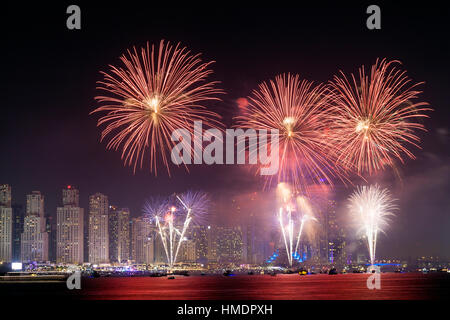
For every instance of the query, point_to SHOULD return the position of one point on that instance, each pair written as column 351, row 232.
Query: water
column 394, row 286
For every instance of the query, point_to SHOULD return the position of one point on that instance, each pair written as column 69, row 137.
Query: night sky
column 49, row 73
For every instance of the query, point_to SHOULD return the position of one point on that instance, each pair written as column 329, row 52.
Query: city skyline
column 226, row 159
column 53, row 142
column 114, row 236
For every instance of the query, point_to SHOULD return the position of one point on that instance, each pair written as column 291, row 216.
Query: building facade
column 119, row 234
column 17, row 230
column 5, row 195
column 34, row 239
column 336, row 238
column 229, row 245
column 98, row 229
column 143, row 241
column 6, row 223
column 69, row 229
column 5, row 234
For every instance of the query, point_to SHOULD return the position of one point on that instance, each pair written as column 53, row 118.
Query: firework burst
column 299, row 110
column 370, row 207
column 155, row 92
column 374, row 117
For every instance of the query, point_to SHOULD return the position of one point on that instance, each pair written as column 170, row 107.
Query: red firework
column 299, row 110
column 153, row 94
column 375, row 117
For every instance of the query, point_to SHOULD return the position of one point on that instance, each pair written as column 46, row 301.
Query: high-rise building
column 35, row 204
column 5, row 234
column 98, row 229
column 158, row 246
column 69, row 229
column 199, row 234
column 211, row 234
column 143, row 237
column 71, row 197
column 229, row 244
column 252, row 212
column 255, row 241
column 5, row 195
column 34, row 239
column 6, row 222
column 17, row 230
column 113, row 231
column 336, row 237
column 187, row 252
column 119, row 234
column 316, row 247
column 51, row 231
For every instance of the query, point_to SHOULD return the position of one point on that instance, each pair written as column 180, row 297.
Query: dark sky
column 49, row 74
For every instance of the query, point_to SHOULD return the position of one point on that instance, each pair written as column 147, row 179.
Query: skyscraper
column 98, row 229
column 119, row 234
column 71, row 197
column 254, row 239
column 187, row 253
column 69, row 229
column 143, row 237
column 113, row 226
column 35, row 204
column 34, row 239
column 17, row 230
column 199, row 234
column 51, row 230
column 5, row 195
column 211, row 234
column 229, row 244
column 336, row 237
column 5, row 223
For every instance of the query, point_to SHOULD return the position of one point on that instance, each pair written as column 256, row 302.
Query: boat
column 333, row 271
column 95, row 274
column 289, row 271
column 228, row 273
column 171, row 277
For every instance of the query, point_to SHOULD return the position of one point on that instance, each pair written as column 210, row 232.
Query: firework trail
column 374, row 117
column 191, row 206
column 292, row 219
column 158, row 210
column 370, row 207
column 303, row 206
column 157, row 91
column 300, row 112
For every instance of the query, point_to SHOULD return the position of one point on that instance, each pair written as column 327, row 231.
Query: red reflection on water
column 263, row 287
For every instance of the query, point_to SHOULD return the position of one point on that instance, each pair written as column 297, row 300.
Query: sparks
column 375, row 118
column 194, row 206
column 370, row 207
column 292, row 220
column 299, row 110
column 156, row 92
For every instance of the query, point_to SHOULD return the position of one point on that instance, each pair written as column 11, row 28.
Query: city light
column 270, row 154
